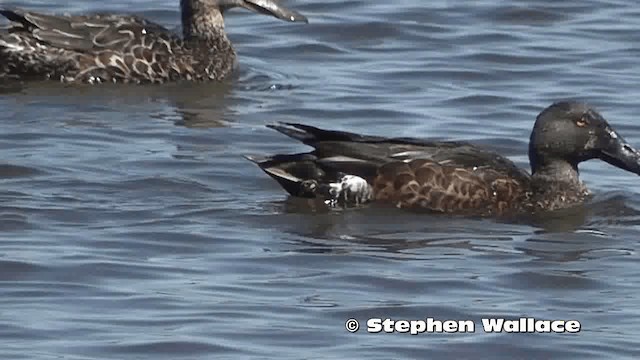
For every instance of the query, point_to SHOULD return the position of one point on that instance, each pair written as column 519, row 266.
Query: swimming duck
column 348, row 169
column 125, row 48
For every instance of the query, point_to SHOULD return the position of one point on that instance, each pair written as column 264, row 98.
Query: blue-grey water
column 131, row 227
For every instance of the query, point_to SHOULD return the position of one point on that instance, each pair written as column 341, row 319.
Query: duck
column 452, row 177
column 125, row 48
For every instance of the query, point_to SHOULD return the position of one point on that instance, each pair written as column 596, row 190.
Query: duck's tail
column 301, row 175
column 18, row 18
column 310, row 135
column 298, row 174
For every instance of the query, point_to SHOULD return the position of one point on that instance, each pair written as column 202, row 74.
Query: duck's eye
column 582, row 122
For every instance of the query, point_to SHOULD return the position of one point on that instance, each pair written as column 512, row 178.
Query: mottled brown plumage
column 452, row 177
column 124, row 48
column 422, row 183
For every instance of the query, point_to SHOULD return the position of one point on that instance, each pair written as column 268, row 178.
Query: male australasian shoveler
column 452, row 177
column 125, row 48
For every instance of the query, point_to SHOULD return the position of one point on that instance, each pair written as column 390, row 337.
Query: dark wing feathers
column 82, row 33
column 15, row 17
column 310, row 134
column 379, row 150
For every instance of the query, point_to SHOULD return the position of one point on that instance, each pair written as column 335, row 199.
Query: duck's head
column 267, row 7
column 204, row 18
column 567, row 133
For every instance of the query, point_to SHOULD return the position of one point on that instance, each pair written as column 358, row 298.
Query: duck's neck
column 556, row 171
column 556, row 184
column 202, row 22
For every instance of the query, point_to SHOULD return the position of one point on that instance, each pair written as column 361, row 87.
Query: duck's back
column 101, row 48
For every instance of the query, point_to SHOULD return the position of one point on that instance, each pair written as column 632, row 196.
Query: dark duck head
column 568, row 133
column 204, row 18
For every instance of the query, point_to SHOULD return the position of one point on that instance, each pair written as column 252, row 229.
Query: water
column 131, row 228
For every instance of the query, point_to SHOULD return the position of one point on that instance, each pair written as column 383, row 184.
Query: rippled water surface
column 131, row 227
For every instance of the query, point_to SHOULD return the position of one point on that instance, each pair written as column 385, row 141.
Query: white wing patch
column 350, row 189
column 341, row 158
column 12, row 47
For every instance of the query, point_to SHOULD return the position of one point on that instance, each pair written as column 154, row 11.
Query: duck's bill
column 621, row 154
column 273, row 8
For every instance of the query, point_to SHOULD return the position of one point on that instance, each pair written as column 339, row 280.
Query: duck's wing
column 82, row 33
column 349, row 152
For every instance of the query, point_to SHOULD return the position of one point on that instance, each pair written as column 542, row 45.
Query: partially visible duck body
column 125, row 48
column 452, row 177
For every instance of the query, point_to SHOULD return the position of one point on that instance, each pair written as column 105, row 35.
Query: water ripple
column 131, row 226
